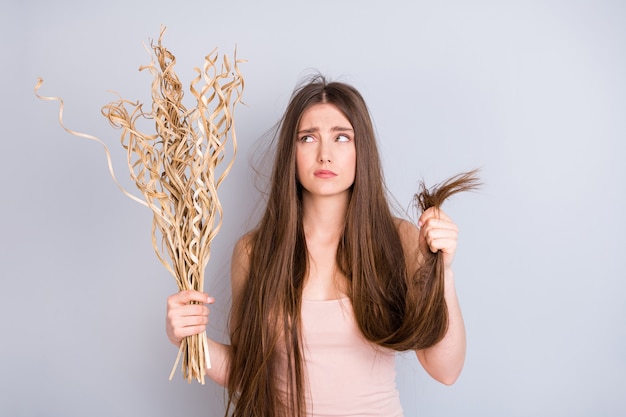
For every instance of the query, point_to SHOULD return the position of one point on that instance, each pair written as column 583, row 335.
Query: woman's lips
column 324, row 173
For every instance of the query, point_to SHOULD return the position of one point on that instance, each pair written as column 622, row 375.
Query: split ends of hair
column 434, row 196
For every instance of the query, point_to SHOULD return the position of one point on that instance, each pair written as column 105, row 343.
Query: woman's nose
column 324, row 153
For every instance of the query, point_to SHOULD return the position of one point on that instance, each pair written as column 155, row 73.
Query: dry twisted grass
column 176, row 169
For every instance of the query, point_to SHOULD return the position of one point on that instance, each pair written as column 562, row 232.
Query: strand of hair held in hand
column 431, row 273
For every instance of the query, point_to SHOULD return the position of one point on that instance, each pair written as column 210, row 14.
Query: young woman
column 328, row 286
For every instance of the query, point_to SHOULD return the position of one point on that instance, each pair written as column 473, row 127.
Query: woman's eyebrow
column 333, row 129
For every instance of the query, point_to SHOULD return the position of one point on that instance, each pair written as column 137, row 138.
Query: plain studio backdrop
column 532, row 93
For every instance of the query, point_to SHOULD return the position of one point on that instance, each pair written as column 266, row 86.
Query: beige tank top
column 347, row 375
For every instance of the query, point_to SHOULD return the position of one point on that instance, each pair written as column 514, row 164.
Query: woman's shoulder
column 408, row 231
column 240, row 262
column 244, row 244
column 409, row 238
column 243, row 250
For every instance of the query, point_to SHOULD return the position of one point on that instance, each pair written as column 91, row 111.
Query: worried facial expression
column 325, row 152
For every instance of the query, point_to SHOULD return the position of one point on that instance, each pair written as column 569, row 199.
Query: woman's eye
column 342, row 138
column 306, row 139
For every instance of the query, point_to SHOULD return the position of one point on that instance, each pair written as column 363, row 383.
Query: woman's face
column 325, row 152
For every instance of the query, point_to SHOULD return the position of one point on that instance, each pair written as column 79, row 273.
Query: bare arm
column 443, row 361
column 184, row 319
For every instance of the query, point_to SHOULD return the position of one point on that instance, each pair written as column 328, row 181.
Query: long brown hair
column 392, row 309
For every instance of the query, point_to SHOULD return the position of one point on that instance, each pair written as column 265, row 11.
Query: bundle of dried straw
column 175, row 169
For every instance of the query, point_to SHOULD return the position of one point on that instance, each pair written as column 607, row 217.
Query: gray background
column 533, row 93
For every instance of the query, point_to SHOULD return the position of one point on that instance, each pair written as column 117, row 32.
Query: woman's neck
column 324, row 216
column 323, row 220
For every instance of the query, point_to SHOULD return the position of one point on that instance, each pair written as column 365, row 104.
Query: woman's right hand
column 184, row 319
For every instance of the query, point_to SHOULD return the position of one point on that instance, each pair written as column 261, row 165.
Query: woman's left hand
column 439, row 233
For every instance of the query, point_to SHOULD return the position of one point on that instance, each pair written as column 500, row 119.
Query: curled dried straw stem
column 175, row 169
